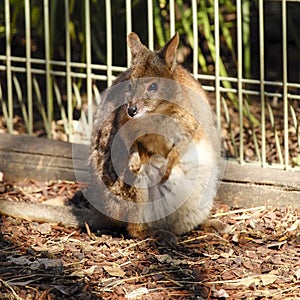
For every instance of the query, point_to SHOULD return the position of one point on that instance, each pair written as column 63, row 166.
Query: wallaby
column 155, row 150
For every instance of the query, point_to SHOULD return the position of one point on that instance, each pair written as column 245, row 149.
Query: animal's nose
column 132, row 110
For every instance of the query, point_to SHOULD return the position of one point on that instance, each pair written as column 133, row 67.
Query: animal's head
column 151, row 75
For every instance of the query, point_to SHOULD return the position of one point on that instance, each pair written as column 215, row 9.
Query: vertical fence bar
column 240, row 76
column 195, row 35
column 217, row 63
column 68, row 70
column 285, row 79
column 128, row 27
column 246, row 37
column 108, row 42
column 9, row 121
column 28, row 67
column 89, row 88
column 262, row 79
column 48, row 67
column 172, row 17
column 150, row 25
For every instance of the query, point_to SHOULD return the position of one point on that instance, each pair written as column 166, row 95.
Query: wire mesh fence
column 56, row 57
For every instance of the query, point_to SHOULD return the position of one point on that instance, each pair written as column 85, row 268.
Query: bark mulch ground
column 258, row 259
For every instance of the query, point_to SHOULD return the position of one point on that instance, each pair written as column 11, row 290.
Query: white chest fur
column 183, row 201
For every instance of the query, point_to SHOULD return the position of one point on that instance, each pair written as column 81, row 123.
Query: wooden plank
column 42, row 159
column 33, row 145
column 20, row 166
column 252, row 195
column 266, row 176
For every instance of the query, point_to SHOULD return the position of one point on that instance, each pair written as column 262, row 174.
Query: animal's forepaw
column 134, row 163
column 156, row 168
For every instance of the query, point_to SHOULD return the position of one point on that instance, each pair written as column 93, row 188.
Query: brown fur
column 147, row 64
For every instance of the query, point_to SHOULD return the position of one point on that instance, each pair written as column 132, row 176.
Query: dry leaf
column 252, row 223
column 227, row 255
column 166, row 258
column 235, row 237
column 85, row 272
column 221, row 294
column 294, row 226
column 268, row 279
column 137, row 293
column 265, row 279
column 39, row 263
column 114, row 270
column 248, row 281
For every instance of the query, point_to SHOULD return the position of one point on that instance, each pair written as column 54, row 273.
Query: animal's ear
column 168, row 52
column 135, row 45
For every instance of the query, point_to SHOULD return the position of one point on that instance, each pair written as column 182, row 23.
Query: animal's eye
column 132, row 110
column 153, row 87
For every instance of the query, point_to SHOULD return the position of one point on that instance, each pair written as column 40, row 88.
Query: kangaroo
column 172, row 141
column 155, row 151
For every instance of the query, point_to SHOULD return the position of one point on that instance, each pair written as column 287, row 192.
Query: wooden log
column 28, row 157
column 250, row 186
column 24, row 157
